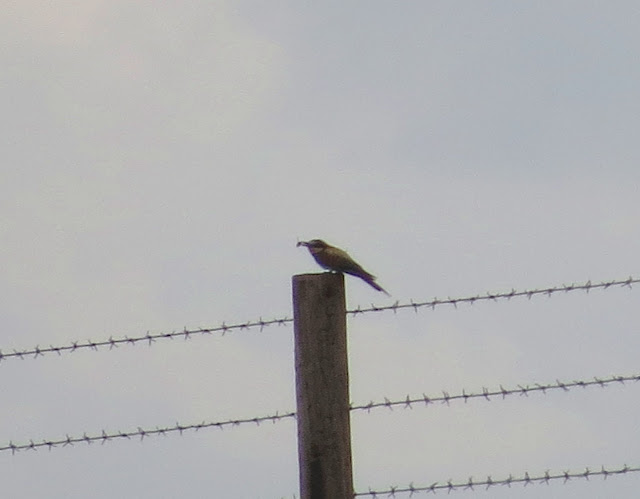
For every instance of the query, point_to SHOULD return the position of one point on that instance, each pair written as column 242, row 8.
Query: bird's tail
column 371, row 282
column 366, row 277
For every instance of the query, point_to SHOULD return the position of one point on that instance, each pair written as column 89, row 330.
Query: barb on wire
column 186, row 334
column 487, row 394
column 105, row 436
column 148, row 338
column 529, row 293
column 526, row 479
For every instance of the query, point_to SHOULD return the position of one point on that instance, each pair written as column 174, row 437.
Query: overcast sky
column 161, row 159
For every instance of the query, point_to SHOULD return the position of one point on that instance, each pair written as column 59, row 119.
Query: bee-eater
column 337, row 260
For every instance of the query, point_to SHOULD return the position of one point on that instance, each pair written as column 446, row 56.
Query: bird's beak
column 302, row 243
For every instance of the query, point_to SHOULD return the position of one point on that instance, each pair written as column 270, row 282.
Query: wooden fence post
column 322, row 386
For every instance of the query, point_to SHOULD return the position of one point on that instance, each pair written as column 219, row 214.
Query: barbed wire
column 526, row 479
column 487, row 394
column 186, row 334
column 149, row 338
column 529, row 293
column 406, row 403
column 105, row 436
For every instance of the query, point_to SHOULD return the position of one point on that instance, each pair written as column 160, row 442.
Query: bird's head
column 313, row 244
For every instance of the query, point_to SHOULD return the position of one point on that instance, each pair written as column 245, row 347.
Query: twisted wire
column 149, row 338
column 186, row 334
column 487, row 394
column 529, row 293
column 105, row 436
column 406, row 403
column 526, row 479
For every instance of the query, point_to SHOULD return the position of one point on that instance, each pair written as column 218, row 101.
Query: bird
column 337, row 260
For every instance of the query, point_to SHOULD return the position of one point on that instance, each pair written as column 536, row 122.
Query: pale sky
column 161, row 159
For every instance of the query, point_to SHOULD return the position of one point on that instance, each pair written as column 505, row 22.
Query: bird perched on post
column 337, row 260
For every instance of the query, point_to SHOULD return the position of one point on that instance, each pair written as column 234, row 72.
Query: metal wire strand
column 528, row 293
column 406, row 403
column 186, row 334
column 470, row 483
column 105, row 436
column 522, row 390
column 149, row 338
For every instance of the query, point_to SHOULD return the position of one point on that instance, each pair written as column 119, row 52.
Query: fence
column 322, row 379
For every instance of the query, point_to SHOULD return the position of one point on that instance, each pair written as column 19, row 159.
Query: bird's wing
column 340, row 261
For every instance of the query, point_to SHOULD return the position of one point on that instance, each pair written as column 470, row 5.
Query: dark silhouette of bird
column 337, row 260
